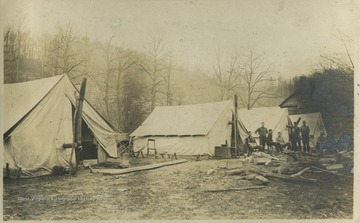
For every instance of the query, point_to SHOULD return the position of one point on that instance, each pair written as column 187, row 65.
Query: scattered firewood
column 260, row 180
column 268, row 162
column 236, row 172
column 331, row 172
column 284, row 177
column 250, row 176
column 258, row 161
column 274, row 163
column 283, row 168
column 327, row 160
column 236, row 189
column 300, row 172
column 335, row 166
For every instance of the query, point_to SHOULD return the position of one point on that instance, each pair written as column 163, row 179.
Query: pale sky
column 292, row 34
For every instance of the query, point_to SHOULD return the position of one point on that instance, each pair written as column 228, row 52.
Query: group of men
column 295, row 136
column 266, row 138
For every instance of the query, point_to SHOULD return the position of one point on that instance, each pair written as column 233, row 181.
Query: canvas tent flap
column 275, row 118
column 104, row 134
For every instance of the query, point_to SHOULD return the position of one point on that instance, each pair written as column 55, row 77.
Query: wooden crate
column 222, row 152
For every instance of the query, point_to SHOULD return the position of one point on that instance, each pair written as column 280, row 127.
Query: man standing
column 305, row 135
column 262, row 131
column 295, row 136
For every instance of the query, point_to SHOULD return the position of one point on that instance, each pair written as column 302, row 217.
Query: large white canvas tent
column 315, row 123
column 275, row 118
column 187, row 129
column 38, row 120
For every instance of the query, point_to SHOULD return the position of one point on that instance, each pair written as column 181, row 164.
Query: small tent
column 187, row 129
column 315, row 123
column 38, row 120
column 275, row 118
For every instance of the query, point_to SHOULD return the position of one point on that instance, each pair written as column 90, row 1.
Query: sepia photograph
column 179, row 110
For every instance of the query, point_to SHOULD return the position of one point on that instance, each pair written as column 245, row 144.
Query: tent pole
column 235, row 122
column 78, row 120
column 7, row 170
column 77, row 125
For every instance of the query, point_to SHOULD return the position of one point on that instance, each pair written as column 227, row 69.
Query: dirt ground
column 174, row 192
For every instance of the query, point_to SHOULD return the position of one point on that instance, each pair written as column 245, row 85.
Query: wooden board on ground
column 335, row 166
column 285, row 177
column 236, row 189
column 137, row 169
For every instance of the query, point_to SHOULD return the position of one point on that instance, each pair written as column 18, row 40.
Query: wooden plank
column 326, row 171
column 258, row 161
column 335, row 166
column 137, row 169
column 236, row 189
column 284, row 177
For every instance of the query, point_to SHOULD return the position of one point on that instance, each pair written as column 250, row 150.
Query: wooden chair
column 151, row 146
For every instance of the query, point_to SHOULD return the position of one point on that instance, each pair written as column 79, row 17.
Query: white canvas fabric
column 275, row 118
column 315, row 123
column 187, row 129
column 181, row 120
column 20, row 98
column 33, row 144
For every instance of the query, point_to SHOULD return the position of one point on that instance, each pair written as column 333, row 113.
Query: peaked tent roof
column 22, row 98
column 182, row 120
column 288, row 98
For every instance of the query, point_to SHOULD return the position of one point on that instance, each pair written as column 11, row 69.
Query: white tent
column 275, row 118
column 38, row 119
column 187, row 129
column 315, row 123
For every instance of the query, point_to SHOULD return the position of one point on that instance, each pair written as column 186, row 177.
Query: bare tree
column 255, row 83
column 225, row 80
column 153, row 67
column 124, row 59
column 168, row 87
column 15, row 50
column 63, row 53
column 109, row 53
column 338, row 61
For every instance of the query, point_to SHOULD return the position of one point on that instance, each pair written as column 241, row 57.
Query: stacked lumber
column 292, row 167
